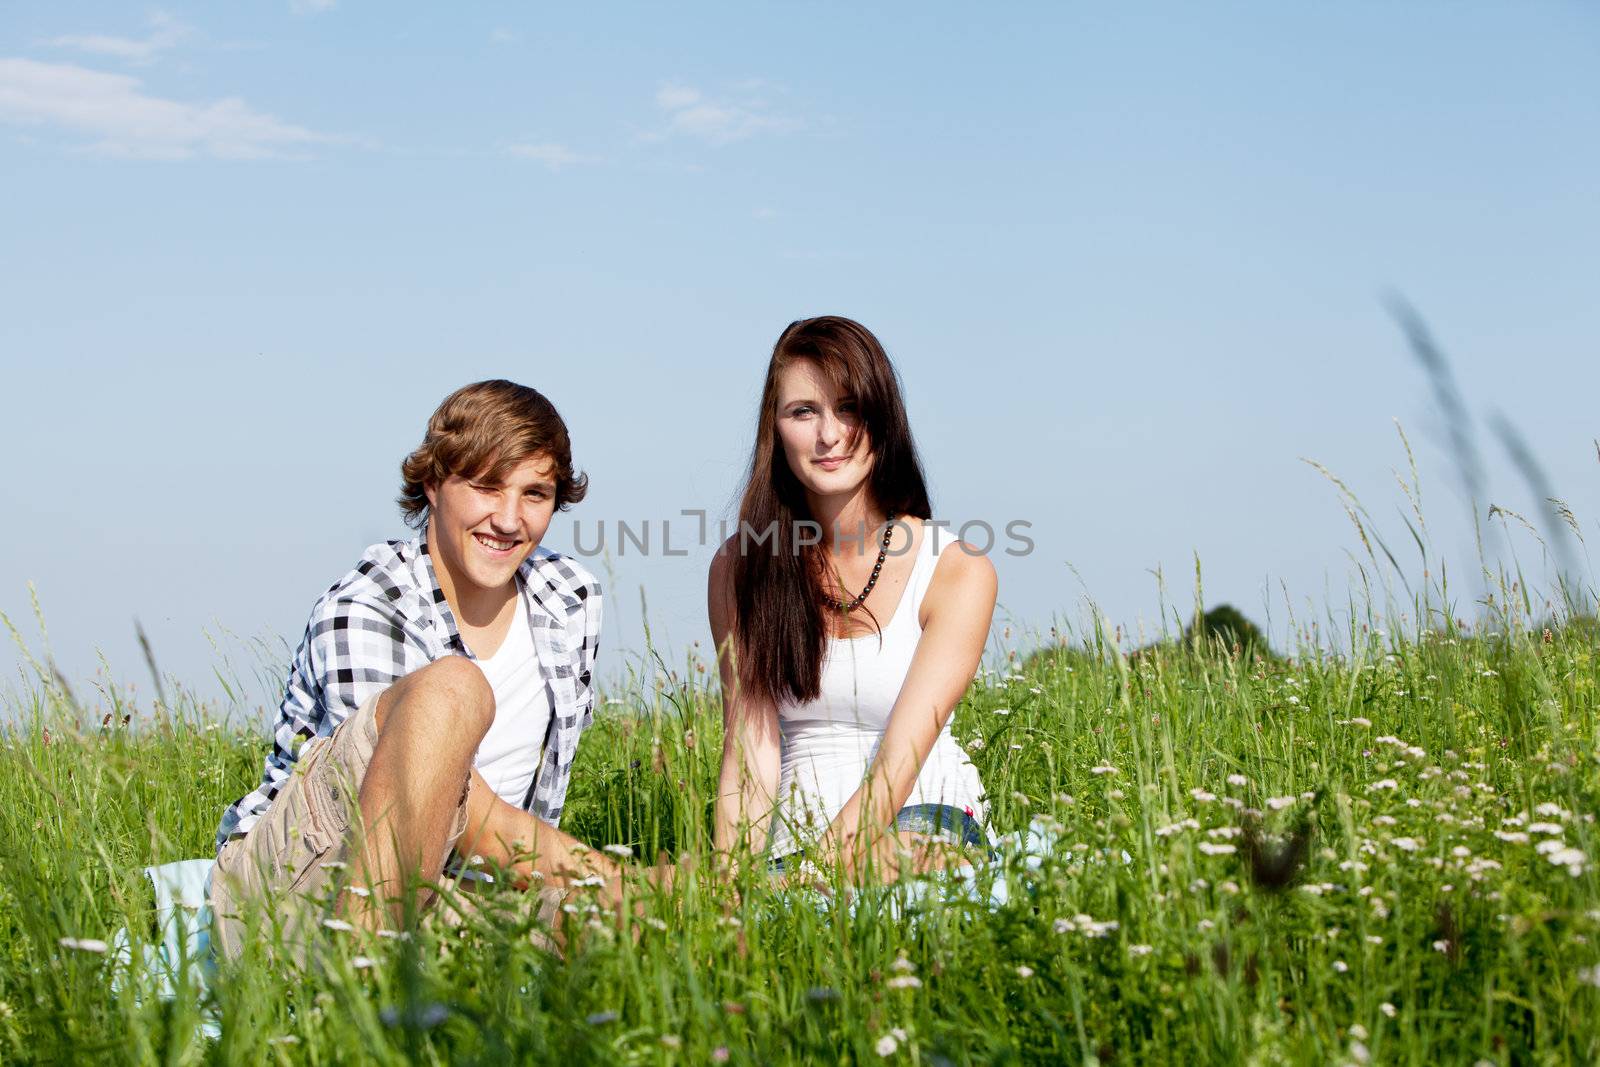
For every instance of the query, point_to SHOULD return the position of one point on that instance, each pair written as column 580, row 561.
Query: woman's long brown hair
column 780, row 625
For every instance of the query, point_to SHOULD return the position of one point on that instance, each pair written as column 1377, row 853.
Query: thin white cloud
column 121, row 119
column 501, row 35
column 165, row 32
column 553, row 156
column 677, row 97
column 311, row 7
column 716, row 120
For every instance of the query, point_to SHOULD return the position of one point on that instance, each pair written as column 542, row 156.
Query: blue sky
column 1130, row 264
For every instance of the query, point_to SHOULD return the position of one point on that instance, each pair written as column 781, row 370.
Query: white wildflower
column 620, row 851
column 1024, row 971
column 1104, row 768
column 1546, row 828
column 1140, row 950
column 886, row 1045
column 1340, row 966
column 83, row 944
column 1571, row 858
column 338, row 924
column 1002, row 711
column 1516, row 837
column 1212, row 849
column 1238, row 779
column 1406, row 844
column 1383, row 783
column 1086, row 925
column 904, row 981
column 1279, row 803
column 362, row 962
column 1441, row 945
column 1389, row 1010
column 1202, row 796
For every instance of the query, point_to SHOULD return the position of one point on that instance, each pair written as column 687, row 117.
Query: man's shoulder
column 561, row 574
column 384, row 580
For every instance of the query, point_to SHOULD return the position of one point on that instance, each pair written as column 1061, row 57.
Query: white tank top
column 509, row 754
column 829, row 743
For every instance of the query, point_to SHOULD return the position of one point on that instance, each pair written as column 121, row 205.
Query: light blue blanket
column 181, row 955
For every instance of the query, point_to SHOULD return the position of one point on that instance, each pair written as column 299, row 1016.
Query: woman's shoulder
column 962, row 574
column 722, row 559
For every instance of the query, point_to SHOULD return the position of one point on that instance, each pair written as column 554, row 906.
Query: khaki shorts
column 287, row 866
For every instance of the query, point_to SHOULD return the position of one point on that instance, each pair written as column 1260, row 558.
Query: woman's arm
column 750, row 739
column 959, row 607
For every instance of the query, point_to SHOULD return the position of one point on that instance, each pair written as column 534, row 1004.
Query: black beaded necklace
column 877, row 568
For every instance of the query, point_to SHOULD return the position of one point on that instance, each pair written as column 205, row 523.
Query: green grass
column 1421, row 928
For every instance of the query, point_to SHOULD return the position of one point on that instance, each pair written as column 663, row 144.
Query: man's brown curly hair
column 483, row 430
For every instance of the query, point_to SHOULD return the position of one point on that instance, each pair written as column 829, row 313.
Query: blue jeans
column 942, row 822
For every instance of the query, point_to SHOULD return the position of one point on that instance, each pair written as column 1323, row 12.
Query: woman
column 847, row 625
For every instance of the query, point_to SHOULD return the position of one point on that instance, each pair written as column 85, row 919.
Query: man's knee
column 453, row 684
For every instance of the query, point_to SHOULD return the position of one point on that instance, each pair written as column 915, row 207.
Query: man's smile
column 497, row 545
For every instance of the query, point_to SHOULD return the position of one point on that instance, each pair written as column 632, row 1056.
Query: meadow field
column 1383, row 855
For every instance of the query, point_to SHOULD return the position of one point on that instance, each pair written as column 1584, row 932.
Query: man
column 436, row 700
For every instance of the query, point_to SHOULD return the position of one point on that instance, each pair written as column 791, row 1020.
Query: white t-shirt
column 509, row 754
column 828, row 744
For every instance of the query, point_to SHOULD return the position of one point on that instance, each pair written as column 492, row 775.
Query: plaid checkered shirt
column 388, row 617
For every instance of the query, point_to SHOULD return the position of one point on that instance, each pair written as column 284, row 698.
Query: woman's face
column 821, row 432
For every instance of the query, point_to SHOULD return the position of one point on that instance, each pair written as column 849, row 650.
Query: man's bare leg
column 529, row 849
column 430, row 724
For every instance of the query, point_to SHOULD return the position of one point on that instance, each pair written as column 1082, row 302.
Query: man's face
column 481, row 529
